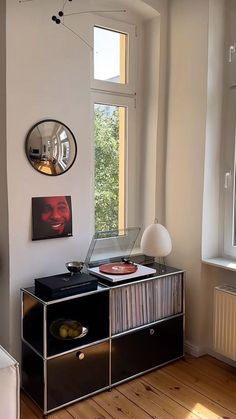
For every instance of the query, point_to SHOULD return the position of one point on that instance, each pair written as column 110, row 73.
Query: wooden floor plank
column 88, row 409
column 186, row 396
column 26, row 412
column 35, row 411
column 118, row 406
column 61, row 414
column 224, row 376
column 203, row 384
column 221, row 364
column 154, row 402
column 187, row 389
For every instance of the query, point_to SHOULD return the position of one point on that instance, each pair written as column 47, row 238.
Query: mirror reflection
column 51, row 147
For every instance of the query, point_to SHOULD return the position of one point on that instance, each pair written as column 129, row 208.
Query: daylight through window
column 109, row 55
column 109, row 167
column 114, row 98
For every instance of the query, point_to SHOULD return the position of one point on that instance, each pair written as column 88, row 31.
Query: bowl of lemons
column 66, row 329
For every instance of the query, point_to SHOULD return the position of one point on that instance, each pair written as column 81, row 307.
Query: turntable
column 109, row 256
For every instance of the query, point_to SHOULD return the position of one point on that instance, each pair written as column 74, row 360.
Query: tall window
column 113, row 105
column 229, row 151
column 109, row 132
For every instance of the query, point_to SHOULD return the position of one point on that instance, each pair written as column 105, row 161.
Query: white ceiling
column 135, row 7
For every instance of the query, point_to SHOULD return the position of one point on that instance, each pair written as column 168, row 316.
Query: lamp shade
column 156, row 241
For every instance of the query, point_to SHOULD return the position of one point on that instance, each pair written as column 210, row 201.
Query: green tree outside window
column 106, row 167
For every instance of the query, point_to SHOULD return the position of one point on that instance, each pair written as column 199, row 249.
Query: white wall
column 149, row 103
column 221, row 74
column 211, row 198
column 185, row 150
column 212, row 174
column 197, row 55
column 4, row 241
column 48, row 76
column 154, row 114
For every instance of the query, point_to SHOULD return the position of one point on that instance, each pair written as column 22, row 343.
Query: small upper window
column 114, row 65
column 110, row 55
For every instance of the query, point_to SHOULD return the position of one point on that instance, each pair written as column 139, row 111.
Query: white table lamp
column 156, row 241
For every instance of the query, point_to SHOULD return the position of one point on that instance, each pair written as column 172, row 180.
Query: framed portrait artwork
column 51, row 217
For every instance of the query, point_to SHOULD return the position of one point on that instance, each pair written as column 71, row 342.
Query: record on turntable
column 109, row 256
column 118, row 268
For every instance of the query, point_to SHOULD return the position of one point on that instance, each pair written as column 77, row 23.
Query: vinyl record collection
column 145, row 302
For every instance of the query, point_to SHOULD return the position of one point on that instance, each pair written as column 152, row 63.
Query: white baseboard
column 198, row 351
column 194, row 349
column 221, row 357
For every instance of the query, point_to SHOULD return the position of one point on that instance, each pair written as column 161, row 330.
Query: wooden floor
column 190, row 388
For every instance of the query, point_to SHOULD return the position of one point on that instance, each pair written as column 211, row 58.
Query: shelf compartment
column 145, row 302
column 91, row 311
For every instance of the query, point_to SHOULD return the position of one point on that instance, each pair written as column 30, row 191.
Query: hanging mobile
column 61, row 15
column 59, row 19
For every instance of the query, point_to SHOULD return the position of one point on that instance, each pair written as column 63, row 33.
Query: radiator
column 224, row 323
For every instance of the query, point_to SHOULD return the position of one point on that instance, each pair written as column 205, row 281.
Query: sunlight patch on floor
column 204, row 412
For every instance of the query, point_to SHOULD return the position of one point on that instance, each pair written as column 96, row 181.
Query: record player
column 109, row 256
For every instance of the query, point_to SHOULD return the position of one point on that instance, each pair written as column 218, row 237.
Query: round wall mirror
column 50, row 147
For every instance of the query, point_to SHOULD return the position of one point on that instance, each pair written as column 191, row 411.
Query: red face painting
column 56, row 213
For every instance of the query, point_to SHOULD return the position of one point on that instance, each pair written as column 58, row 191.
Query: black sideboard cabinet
column 132, row 328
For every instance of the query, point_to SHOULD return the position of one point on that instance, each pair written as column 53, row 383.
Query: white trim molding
column 221, row 262
column 194, row 350
column 198, row 351
column 221, row 358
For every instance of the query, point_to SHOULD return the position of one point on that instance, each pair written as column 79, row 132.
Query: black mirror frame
column 27, row 140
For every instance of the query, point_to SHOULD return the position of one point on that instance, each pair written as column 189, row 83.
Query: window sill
column 221, row 263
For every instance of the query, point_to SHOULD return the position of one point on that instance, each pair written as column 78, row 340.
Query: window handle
column 232, row 50
column 227, row 179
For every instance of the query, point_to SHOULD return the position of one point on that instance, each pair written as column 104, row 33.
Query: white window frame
column 130, row 150
column 131, row 56
column 119, row 94
column 229, row 172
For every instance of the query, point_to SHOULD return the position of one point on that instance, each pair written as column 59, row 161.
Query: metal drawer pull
column 80, row 355
column 151, row 331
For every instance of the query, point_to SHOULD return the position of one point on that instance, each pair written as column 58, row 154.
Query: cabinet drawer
column 77, row 374
column 144, row 349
